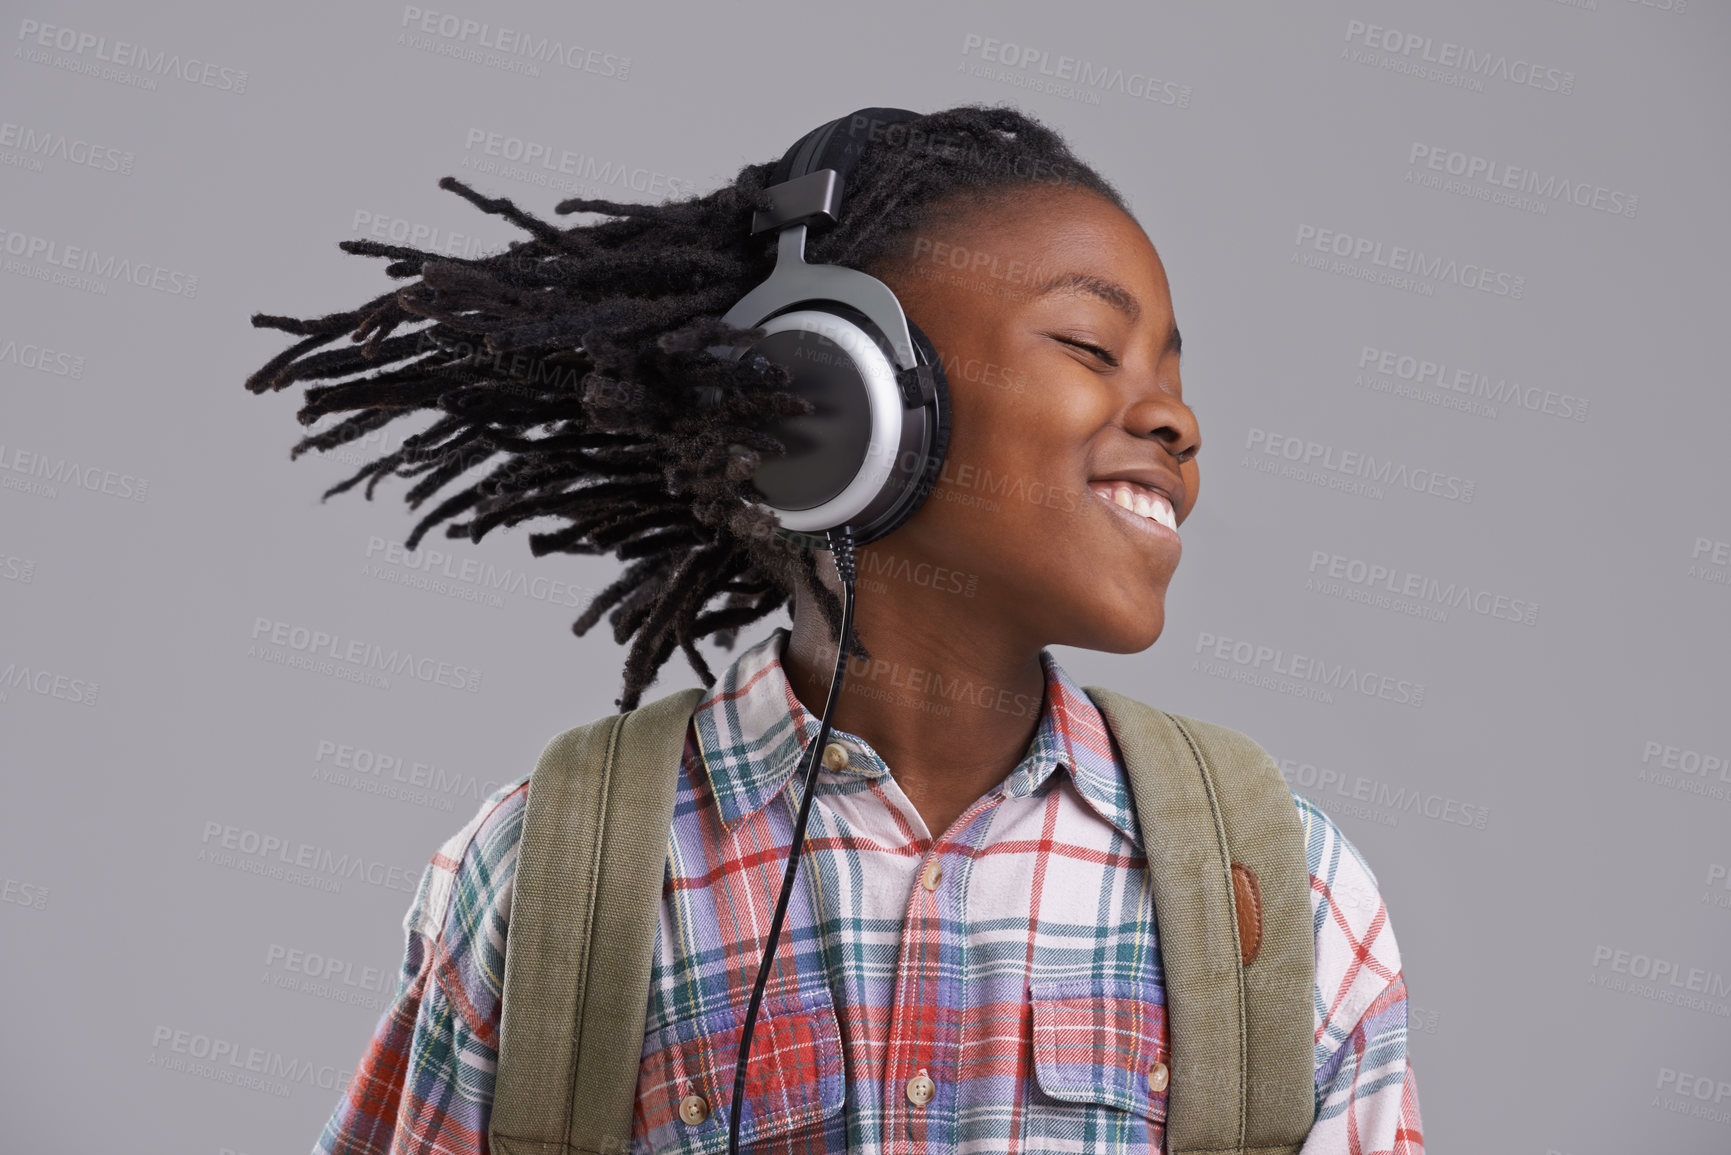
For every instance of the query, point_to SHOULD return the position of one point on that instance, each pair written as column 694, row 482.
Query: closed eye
column 1094, row 349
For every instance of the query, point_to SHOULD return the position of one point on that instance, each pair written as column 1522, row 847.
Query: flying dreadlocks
column 597, row 336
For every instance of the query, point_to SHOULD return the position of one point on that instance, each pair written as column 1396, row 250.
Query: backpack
column 1231, row 899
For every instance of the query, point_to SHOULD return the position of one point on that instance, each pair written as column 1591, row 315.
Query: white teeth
column 1140, row 501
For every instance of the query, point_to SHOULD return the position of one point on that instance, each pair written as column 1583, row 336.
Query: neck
column 949, row 701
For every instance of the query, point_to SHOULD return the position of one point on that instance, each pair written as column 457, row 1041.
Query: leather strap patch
column 1247, row 897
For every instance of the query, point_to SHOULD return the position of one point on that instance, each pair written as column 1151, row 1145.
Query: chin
column 1126, row 633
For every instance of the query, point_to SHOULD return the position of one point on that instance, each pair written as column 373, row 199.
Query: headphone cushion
column 928, row 478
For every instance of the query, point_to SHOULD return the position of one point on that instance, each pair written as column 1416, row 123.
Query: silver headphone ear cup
column 843, row 456
column 924, row 460
column 863, row 458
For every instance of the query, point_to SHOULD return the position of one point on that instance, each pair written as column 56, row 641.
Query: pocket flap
column 795, row 1075
column 1096, row 1041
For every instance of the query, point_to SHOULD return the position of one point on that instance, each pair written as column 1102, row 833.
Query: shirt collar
column 753, row 732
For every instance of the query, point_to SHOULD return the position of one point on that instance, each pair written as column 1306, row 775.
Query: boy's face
column 1039, row 425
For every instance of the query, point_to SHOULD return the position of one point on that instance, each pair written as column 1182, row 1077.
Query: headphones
column 870, row 451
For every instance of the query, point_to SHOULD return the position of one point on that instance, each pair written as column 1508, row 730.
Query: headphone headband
column 797, row 193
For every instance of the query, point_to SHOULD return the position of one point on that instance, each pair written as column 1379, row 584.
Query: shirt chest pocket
column 794, row 1078
column 1101, row 1044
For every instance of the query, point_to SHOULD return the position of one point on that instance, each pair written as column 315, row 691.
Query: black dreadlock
column 598, row 334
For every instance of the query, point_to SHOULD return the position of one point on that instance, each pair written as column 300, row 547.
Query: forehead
column 1037, row 236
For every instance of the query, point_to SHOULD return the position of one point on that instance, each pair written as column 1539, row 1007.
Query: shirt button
column 932, row 874
column 835, row 756
column 1158, row 1076
column 694, row 1109
column 921, row 1089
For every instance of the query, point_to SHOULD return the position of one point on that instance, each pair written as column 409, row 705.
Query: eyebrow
column 1111, row 292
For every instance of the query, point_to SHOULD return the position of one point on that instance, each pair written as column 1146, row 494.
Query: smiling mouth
column 1148, row 508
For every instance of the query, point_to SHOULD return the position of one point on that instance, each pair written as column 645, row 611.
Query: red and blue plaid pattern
column 1025, row 984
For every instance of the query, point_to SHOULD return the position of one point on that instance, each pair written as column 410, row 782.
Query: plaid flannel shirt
column 1012, row 964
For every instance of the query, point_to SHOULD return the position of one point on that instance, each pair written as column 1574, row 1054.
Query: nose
column 1162, row 416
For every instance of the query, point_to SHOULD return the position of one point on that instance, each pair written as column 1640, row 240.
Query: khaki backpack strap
column 1226, row 860
column 581, row 938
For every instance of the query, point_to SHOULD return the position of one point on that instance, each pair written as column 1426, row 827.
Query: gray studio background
column 1483, row 244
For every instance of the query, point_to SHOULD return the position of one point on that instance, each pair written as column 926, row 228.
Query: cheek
column 998, row 436
column 1038, row 424
column 1003, row 477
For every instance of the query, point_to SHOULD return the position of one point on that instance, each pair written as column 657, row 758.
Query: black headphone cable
column 841, row 544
